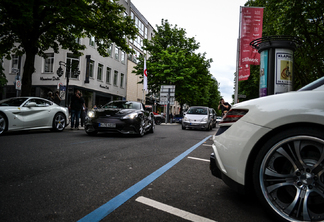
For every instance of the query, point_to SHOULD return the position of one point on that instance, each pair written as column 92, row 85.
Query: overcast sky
column 213, row 23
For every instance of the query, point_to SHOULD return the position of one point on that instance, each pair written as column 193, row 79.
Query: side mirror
column 31, row 104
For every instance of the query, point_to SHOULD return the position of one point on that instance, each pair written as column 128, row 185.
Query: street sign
column 162, row 94
column 18, row 84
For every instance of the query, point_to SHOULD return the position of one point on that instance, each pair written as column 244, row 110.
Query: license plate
column 109, row 125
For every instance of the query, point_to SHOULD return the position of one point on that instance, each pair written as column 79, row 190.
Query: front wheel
column 3, row 123
column 59, row 122
column 141, row 130
column 289, row 175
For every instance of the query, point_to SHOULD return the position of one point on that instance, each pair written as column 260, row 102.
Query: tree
column 173, row 61
column 32, row 27
column 303, row 19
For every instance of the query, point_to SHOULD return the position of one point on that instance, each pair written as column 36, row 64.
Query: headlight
column 185, row 119
column 130, row 116
column 204, row 119
column 91, row 114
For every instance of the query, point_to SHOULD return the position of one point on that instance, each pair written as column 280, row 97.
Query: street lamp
column 76, row 72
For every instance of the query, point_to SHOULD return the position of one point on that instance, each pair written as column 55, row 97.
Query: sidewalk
column 170, row 124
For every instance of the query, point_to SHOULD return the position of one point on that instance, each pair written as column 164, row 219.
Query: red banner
column 250, row 29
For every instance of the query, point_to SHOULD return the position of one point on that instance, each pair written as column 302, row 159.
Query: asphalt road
column 70, row 176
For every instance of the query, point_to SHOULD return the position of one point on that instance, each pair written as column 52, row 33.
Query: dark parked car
column 213, row 116
column 177, row 118
column 125, row 117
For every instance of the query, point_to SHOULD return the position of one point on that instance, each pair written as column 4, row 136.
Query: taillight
column 234, row 115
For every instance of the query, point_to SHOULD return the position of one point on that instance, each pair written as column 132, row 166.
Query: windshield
column 123, row 105
column 13, row 102
column 197, row 110
column 313, row 85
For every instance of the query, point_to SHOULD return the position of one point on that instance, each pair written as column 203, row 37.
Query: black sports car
column 127, row 117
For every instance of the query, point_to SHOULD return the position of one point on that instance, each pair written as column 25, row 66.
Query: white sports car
column 27, row 113
column 274, row 146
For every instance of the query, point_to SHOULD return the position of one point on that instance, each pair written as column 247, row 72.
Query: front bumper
column 126, row 126
column 199, row 125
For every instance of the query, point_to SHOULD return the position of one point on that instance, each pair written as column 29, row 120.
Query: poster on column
column 264, row 74
column 283, row 73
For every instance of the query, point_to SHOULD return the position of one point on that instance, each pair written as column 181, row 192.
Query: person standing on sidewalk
column 76, row 107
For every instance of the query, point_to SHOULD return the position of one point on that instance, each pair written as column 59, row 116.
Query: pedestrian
column 224, row 106
column 76, row 106
column 50, row 96
column 83, row 111
column 57, row 98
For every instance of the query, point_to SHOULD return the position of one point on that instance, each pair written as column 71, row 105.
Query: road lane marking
column 172, row 210
column 104, row 210
column 195, row 158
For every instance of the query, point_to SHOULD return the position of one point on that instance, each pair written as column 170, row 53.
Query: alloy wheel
column 59, row 122
column 3, row 124
column 291, row 178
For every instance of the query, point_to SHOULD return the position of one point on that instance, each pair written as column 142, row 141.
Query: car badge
column 107, row 115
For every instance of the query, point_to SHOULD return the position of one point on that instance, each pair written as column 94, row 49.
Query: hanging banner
column 250, row 29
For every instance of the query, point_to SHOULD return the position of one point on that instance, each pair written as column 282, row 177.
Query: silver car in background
column 197, row 117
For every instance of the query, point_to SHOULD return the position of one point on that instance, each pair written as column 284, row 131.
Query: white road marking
column 172, row 210
column 207, row 145
column 194, row 158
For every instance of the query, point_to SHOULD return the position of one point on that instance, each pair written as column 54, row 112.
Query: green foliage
column 303, row 19
column 173, row 61
column 32, row 27
column 3, row 80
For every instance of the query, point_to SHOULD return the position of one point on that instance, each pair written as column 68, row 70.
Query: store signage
column 49, row 78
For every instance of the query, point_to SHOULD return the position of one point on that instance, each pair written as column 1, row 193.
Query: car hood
column 275, row 110
column 111, row 112
column 193, row 117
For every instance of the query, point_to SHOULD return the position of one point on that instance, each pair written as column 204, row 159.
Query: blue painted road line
column 117, row 201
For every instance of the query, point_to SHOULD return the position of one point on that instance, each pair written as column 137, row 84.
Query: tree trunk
column 29, row 69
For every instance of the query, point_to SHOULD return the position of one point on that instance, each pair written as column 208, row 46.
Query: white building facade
column 100, row 79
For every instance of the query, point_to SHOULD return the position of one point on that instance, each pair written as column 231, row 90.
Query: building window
column 72, row 65
column 92, row 41
column 117, row 53
column 108, row 75
column 49, row 62
column 15, row 62
column 121, row 80
column 122, row 57
column 115, row 78
column 110, row 50
column 91, row 68
column 99, row 74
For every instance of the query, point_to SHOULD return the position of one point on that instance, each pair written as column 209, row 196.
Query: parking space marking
column 207, row 144
column 195, row 158
column 104, row 210
column 172, row 210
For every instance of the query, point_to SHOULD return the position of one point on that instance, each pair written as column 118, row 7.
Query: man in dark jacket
column 76, row 106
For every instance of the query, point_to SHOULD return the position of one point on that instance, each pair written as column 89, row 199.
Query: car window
column 199, row 111
column 317, row 84
column 40, row 102
column 123, row 105
column 12, row 102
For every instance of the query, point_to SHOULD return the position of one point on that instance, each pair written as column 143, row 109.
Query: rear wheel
column 289, row 175
column 59, row 122
column 3, row 123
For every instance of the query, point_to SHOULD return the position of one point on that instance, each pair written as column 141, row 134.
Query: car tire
column 183, row 127
column 158, row 122
column 152, row 126
column 59, row 122
column 288, row 174
column 141, row 130
column 92, row 133
column 3, row 123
